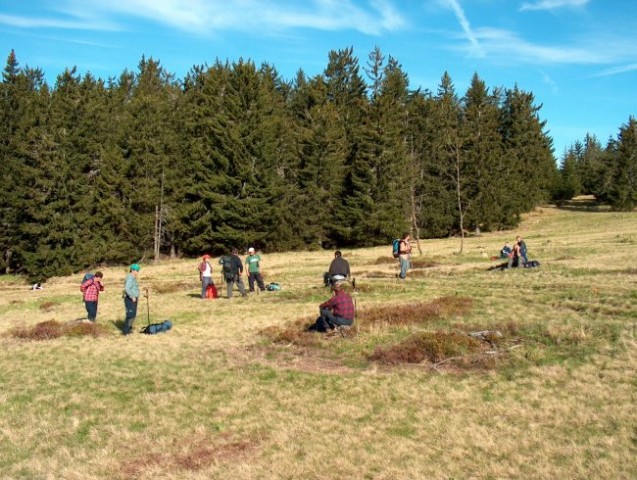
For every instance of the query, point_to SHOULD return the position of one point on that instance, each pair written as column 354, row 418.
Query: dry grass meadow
column 237, row 389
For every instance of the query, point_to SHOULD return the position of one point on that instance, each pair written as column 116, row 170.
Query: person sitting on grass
column 335, row 312
column 506, row 250
column 339, row 270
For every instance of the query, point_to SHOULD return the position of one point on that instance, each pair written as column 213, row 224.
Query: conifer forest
column 111, row 171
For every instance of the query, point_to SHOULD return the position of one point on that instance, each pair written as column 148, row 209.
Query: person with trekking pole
column 131, row 297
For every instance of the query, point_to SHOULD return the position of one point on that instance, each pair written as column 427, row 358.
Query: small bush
column 52, row 329
column 415, row 313
column 431, row 346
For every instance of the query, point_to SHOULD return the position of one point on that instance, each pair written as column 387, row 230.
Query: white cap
column 251, row 249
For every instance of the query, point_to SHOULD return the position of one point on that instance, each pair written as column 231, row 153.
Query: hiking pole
column 147, row 295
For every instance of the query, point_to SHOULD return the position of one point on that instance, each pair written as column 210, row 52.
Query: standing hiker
column 404, row 256
column 91, row 289
column 232, row 270
column 131, row 298
column 254, row 273
column 522, row 244
column 205, row 275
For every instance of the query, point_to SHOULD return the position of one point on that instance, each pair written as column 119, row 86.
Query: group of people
column 516, row 256
column 232, row 269
column 338, row 311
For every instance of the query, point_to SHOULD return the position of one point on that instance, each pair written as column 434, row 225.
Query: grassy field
column 237, row 390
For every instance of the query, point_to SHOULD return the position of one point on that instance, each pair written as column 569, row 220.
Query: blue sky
column 578, row 57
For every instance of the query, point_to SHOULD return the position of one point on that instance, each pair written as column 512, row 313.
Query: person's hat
column 337, row 285
column 251, row 249
column 135, row 267
column 206, row 256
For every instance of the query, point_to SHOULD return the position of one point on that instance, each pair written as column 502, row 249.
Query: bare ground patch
column 191, row 455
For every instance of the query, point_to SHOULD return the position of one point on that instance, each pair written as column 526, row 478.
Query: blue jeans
column 328, row 320
column 405, row 263
column 91, row 310
column 131, row 313
column 205, row 281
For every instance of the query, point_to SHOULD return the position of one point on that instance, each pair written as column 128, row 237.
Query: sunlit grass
column 238, row 389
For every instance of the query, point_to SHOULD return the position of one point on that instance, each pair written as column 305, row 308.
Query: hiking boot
column 331, row 333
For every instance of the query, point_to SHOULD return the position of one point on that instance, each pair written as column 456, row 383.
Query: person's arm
column 329, row 304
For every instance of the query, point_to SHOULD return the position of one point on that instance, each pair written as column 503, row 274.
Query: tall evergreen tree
column 623, row 193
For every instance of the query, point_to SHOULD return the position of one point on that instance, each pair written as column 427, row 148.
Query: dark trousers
column 91, row 310
column 131, row 313
column 252, row 276
column 328, row 320
column 230, row 283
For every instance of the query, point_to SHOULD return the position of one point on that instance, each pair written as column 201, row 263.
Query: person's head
column 337, row 254
column 506, row 244
column 134, row 268
column 251, row 250
column 518, row 238
column 337, row 286
column 99, row 275
column 206, row 257
column 406, row 236
column 235, row 251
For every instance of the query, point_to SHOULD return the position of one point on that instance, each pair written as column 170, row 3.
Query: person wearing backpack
column 205, row 275
column 232, row 269
column 254, row 273
column 131, row 297
column 404, row 255
column 91, row 288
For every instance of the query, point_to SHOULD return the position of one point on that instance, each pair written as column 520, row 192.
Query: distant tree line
column 109, row 171
column 609, row 173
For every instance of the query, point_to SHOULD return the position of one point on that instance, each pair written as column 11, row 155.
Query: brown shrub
column 414, row 313
column 385, row 260
column 377, row 274
column 431, row 346
column 85, row 329
column 53, row 329
column 42, row 331
column 422, row 263
column 294, row 333
column 47, row 306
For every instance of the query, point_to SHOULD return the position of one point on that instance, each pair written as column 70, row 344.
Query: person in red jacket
column 91, row 289
column 337, row 311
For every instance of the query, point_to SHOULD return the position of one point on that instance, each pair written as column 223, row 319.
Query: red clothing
column 91, row 289
column 341, row 305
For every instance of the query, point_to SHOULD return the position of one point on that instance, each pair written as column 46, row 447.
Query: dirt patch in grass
column 385, row 260
column 434, row 347
column 189, row 455
column 294, row 333
column 414, row 313
column 52, row 329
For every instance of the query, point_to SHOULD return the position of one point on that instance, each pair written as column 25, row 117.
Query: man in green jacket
column 131, row 298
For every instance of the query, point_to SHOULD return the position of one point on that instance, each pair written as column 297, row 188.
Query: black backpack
column 228, row 267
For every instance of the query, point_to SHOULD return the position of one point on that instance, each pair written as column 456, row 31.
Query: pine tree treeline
column 610, row 174
column 235, row 155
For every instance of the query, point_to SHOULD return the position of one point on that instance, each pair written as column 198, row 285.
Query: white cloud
column 50, row 22
column 509, row 47
column 201, row 16
column 553, row 4
column 476, row 49
column 617, row 70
